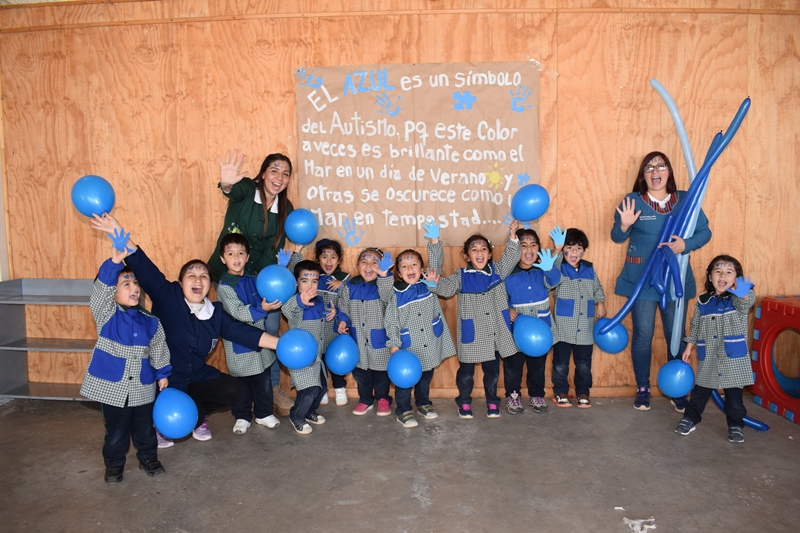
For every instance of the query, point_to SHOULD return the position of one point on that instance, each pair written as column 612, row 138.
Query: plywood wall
column 147, row 93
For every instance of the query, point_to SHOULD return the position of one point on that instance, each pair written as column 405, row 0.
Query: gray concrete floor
column 564, row 471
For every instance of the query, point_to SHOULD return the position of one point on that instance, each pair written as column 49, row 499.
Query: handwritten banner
column 384, row 148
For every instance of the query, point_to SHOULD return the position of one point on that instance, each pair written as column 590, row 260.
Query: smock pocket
column 565, row 307
column 590, row 308
column 701, row 350
column 353, row 334
column 148, row 374
column 405, row 339
column 735, row 346
column 378, row 338
column 438, row 326
column 545, row 316
column 467, row 331
column 507, row 317
column 106, row 366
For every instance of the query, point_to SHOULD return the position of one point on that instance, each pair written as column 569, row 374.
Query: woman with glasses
column 640, row 217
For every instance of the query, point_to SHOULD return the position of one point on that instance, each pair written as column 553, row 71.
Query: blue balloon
column 93, row 195
column 532, row 335
column 676, row 379
column 612, row 342
column 530, row 202
column 404, row 369
column 749, row 422
column 301, row 226
column 341, row 357
column 275, row 282
column 174, row 413
column 297, row 348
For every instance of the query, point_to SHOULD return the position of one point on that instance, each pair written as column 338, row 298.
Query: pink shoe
column 383, row 407
column 361, row 409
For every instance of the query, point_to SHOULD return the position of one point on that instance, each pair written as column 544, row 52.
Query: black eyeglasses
column 650, row 168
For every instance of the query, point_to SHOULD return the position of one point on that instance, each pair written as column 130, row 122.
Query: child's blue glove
column 558, row 236
column 283, row 257
column 120, row 239
column 743, row 286
column 431, row 230
column 386, row 261
column 546, row 260
column 430, row 284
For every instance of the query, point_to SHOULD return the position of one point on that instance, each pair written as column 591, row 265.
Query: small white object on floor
column 619, row 508
column 640, row 526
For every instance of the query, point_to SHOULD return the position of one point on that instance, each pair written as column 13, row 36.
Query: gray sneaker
column 538, row 404
column 513, row 404
column 685, row 426
column 735, row 434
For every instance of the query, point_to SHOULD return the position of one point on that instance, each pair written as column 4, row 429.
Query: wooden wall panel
column 147, row 93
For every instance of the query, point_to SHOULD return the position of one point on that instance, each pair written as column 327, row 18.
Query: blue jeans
column 643, row 315
column 368, row 381
column 271, row 325
column 422, row 391
column 256, row 396
column 465, row 381
column 124, row 424
column 512, row 374
column 583, row 368
column 307, row 401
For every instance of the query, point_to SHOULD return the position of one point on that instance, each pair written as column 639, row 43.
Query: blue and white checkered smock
column 329, row 296
column 361, row 308
column 312, row 319
column 575, row 298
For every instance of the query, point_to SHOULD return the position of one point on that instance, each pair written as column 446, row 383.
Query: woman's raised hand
column 106, row 223
column 627, row 216
column 229, row 170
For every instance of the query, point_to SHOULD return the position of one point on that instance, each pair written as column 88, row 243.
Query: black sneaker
column 679, row 403
column 153, row 467
column 685, row 426
column 735, row 434
column 315, row 418
column 113, row 474
column 642, row 401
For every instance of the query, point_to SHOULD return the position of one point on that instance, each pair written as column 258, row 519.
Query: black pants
column 734, row 405
column 372, row 381
column 256, row 396
column 307, row 401
column 422, row 394
column 512, row 372
column 465, row 381
column 124, row 424
column 219, row 393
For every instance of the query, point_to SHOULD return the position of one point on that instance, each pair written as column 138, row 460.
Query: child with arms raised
column 719, row 330
column 414, row 322
column 483, row 334
column 129, row 361
column 306, row 310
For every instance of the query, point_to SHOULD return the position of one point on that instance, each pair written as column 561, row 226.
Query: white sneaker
column 240, row 427
column 324, row 400
column 270, row 421
column 341, row 396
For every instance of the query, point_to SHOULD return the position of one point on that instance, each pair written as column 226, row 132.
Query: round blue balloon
column 530, row 202
column 93, row 195
column 612, row 342
column 532, row 335
column 404, row 369
column 275, row 282
column 301, row 226
column 676, row 379
column 174, row 413
column 341, row 357
column 297, row 348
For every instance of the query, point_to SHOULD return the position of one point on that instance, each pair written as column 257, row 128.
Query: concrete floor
column 564, row 471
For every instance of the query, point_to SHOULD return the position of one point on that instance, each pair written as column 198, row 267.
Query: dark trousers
column 218, row 393
column 370, row 381
column 583, row 367
column 256, row 396
column 124, row 424
column 338, row 381
column 422, row 394
column 512, row 374
column 465, row 380
column 734, row 405
column 307, row 401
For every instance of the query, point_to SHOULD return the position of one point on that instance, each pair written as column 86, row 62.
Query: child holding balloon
column 414, row 322
column 484, row 323
column 528, row 288
column 361, row 313
column 328, row 253
column 306, row 310
column 719, row 330
column 576, row 297
column 252, row 368
column 129, row 361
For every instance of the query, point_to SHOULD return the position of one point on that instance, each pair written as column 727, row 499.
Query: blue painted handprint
column 518, row 101
column 385, row 105
column 351, row 234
